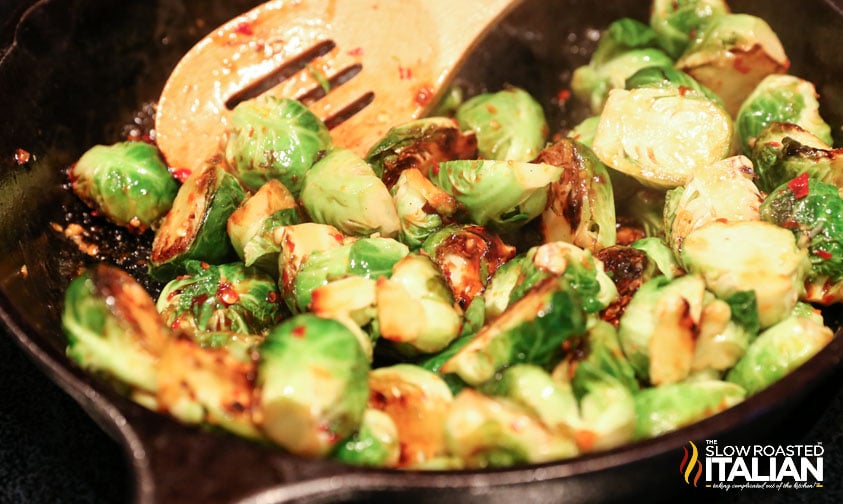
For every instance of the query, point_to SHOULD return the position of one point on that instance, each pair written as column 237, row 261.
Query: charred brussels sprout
column 229, row 297
column 195, row 228
column 783, row 151
column 763, row 258
column 418, row 401
column 780, row 349
column 375, row 443
column 780, row 98
column 813, row 211
column 252, row 226
column 468, row 256
column 661, row 136
column 676, row 22
column 664, row 409
column 298, row 242
column 420, row 144
column 731, row 54
column 112, row 327
column 342, row 190
column 422, row 207
column 581, row 205
column 128, row 182
column 312, row 384
column 510, row 125
column 274, row 138
column 504, row 195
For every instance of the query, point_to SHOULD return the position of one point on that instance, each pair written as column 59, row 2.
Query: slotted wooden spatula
column 362, row 66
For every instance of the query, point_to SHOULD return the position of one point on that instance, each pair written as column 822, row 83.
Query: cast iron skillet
column 75, row 73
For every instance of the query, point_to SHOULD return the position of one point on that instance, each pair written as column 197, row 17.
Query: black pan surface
column 76, row 72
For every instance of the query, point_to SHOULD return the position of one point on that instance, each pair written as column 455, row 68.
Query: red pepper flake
column 435, row 168
column 339, row 237
column 799, row 186
column 823, row 254
column 227, row 295
column 357, row 51
column 22, row 157
column 563, row 95
column 244, row 28
column 298, row 331
column 740, row 65
column 683, row 90
column 181, row 174
column 790, row 224
column 773, row 144
column 405, row 73
column 205, row 265
column 272, row 297
column 423, row 96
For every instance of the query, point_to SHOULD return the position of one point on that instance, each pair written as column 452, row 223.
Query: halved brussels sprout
column 607, row 411
column 342, row 190
column 252, row 226
column 298, row 242
column 375, row 443
column 352, row 301
column 195, row 228
column 662, row 136
column 676, row 22
column 505, row 195
column 780, row 98
column 721, row 192
column 751, row 255
column 484, row 432
column 668, row 77
column 813, row 211
column 581, row 204
column 781, row 348
column 422, row 207
column 128, row 182
column 664, row 409
column 229, row 297
column 420, row 145
column 366, row 257
column 311, row 386
column 112, row 327
column 656, row 331
column 274, row 138
column 418, row 402
column 415, row 306
column 660, row 255
column 510, row 124
column 530, row 331
column 731, row 54
column 783, row 151
column 723, row 334
column 468, row 256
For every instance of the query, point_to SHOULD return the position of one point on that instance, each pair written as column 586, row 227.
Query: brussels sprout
column 780, row 98
column 298, row 242
column 252, row 226
column 721, row 338
column 584, row 131
column 342, row 190
column 128, row 182
column 592, row 83
column 415, row 306
column 677, row 21
column 628, row 268
column 209, row 384
column 468, row 256
column 641, row 212
column 581, row 206
column 496, row 432
column 722, row 192
column 667, row 77
column 195, row 228
column 656, row 331
column 418, row 402
column 663, row 409
column 510, row 124
column 731, row 54
column 420, row 144
column 451, row 99
column 375, row 444
column 812, row 211
column 311, row 385
column 112, row 327
column 530, row 331
column 274, row 138
column 228, row 297
column 660, row 255
column 434, row 362
column 602, row 358
column 502, row 194
column 782, row 151
column 661, row 136
column 350, row 300
column 751, row 255
column 607, row 412
column 422, row 207
column 780, row 349
column 366, row 257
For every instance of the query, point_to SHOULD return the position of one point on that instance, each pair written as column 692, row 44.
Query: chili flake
column 799, row 186
column 822, row 254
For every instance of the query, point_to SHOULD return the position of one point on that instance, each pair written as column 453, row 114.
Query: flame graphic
column 689, row 463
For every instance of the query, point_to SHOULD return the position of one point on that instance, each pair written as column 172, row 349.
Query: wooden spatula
column 362, row 66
